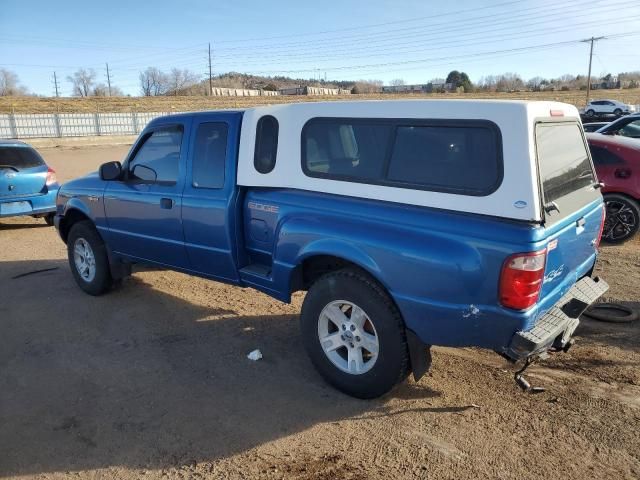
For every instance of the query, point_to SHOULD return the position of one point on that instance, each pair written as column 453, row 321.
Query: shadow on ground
column 143, row 379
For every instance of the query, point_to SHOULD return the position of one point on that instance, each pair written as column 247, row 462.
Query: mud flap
column 419, row 354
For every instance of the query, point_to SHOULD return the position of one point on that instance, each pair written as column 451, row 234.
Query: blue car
column 27, row 185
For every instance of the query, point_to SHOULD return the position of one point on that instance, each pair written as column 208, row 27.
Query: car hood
column 90, row 181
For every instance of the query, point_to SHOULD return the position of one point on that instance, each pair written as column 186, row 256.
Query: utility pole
column 108, row 79
column 210, row 76
column 590, row 40
column 55, row 83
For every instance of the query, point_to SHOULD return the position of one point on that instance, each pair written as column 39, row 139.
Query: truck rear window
column 565, row 169
column 462, row 157
column 19, row 157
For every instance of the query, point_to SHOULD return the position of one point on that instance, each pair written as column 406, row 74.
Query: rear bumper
column 555, row 328
column 40, row 204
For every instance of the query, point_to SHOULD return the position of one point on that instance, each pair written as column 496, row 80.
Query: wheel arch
column 72, row 216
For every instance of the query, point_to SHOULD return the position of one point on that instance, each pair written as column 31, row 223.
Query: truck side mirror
column 110, row 171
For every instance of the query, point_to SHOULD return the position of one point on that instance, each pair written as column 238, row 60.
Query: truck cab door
column 143, row 209
column 209, row 211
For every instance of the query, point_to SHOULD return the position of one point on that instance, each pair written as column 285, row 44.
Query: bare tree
column 101, row 90
column 396, row 82
column 83, row 82
column 153, row 82
column 181, row 79
column 10, row 84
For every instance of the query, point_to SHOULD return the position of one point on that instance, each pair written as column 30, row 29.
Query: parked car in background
column 409, row 223
column 27, row 185
column 617, row 162
column 593, row 126
column 628, row 126
column 607, row 107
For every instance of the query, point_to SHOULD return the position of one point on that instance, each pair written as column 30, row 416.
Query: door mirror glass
column 110, row 171
column 144, row 173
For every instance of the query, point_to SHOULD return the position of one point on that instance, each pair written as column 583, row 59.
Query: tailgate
column 570, row 245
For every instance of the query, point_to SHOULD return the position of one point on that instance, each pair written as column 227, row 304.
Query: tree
column 396, row 82
column 101, row 90
column 153, row 82
column 181, row 79
column 10, row 84
column 83, row 82
column 459, row 79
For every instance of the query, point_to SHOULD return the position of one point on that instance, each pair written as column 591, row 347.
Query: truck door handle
column 166, row 203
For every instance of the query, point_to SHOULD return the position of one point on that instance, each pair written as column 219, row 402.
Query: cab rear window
column 18, row 157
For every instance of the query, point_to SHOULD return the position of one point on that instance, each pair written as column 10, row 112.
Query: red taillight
column 556, row 113
column 604, row 214
column 521, row 279
column 51, row 177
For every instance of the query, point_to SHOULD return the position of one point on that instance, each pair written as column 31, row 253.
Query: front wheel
column 590, row 113
column 622, row 219
column 88, row 259
column 354, row 334
column 49, row 218
column 617, row 112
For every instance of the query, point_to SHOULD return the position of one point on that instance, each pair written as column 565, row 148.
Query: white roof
column 515, row 120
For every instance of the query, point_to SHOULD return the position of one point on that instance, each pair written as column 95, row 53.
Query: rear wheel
column 88, row 259
column 354, row 334
column 49, row 218
column 622, row 219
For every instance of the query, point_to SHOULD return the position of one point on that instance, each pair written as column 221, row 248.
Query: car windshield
column 18, row 157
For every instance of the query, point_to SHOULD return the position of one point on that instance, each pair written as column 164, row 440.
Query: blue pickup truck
column 408, row 224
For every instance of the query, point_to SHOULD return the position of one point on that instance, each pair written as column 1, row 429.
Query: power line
column 414, row 19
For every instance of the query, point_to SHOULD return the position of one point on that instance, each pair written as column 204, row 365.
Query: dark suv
column 617, row 162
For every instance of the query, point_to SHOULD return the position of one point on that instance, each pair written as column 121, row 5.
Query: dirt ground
column 152, row 380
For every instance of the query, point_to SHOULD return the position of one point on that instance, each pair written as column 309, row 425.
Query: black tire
column 617, row 112
column 101, row 281
column 590, row 113
column 392, row 364
column 622, row 220
column 49, row 218
column 612, row 313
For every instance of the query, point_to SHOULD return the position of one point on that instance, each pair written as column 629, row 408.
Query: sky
column 415, row 40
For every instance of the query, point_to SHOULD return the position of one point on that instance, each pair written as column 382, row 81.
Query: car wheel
column 49, row 218
column 617, row 112
column 622, row 219
column 88, row 259
column 354, row 334
column 590, row 113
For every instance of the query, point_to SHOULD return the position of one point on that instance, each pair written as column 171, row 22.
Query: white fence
column 74, row 124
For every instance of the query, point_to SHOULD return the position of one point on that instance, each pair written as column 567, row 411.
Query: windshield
column 566, row 173
column 18, row 157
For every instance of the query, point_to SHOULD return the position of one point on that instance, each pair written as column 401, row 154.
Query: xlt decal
column 262, row 207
